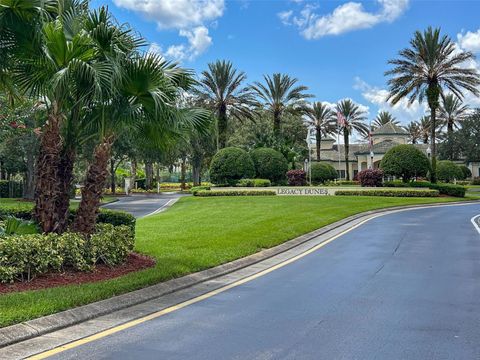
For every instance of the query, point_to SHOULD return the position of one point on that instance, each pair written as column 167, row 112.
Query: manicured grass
column 198, row 233
column 25, row 204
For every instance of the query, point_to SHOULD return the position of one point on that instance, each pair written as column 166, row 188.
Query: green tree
column 279, row 95
column 269, row 164
column 452, row 112
column 230, row 165
column 406, row 162
column 384, row 117
column 353, row 119
column 414, row 132
column 221, row 90
column 449, row 171
column 432, row 63
column 321, row 117
column 322, row 173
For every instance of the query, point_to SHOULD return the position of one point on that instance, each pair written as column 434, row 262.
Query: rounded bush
column 322, row 173
column 371, row 177
column 466, row 173
column 448, row 171
column 269, row 164
column 406, row 162
column 230, row 165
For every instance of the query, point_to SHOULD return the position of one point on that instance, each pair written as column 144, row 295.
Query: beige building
column 361, row 156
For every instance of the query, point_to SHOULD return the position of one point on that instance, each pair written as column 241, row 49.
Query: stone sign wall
column 304, row 191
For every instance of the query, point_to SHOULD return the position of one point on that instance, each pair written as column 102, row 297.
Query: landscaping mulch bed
column 135, row 262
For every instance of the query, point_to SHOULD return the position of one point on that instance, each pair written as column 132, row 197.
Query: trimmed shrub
column 343, row 183
column 450, row 189
column 23, row 257
column 269, row 164
column 296, row 178
column 448, row 171
column 475, row 181
column 254, row 183
column 322, row 173
column 230, row 165
column 389, row 192
column 371, row 177
column 195, row 189
column 236, row 193
column 466, row 172
column 406, row 162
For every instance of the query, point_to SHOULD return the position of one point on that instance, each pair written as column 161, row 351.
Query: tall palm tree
column 414, row 132
column 351, row 118
column 452, row 112
column 281, row 94
column 384, row 117
column 425, row 128
column 432, row 63
column 221, row 89
column 321, row 117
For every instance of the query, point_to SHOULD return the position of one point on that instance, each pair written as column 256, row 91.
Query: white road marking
column 162, row 208
column 473, row 220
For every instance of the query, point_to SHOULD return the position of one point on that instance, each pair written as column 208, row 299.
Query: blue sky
column 338, row 49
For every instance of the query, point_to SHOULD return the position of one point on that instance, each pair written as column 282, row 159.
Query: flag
column 341, row 121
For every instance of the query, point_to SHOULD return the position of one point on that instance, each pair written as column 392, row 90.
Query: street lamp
column 429, row 152
column 371, row 159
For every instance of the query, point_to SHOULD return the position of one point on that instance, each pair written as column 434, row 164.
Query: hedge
column 23, row 257
column 206, row 193
column 254, row 183
column 322, row 173
column 230, row 165
column 105, row 216
column 387, row 192
column 444, row 189
column 269, row 164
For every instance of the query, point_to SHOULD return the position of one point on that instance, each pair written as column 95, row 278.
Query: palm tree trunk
column 319, row 142
column 347, row 148
column 65, row 175
column 47, row 186
column 92, row 191
column 433, row 95
column 222, row 126
column 196, row 169
column 148, row 175
column 182, row 173
column 276, row 123
column 113, row 185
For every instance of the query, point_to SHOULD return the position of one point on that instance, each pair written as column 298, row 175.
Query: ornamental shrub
column 450, row 189
column 296, row 178
column 254, row 183
column 475, row 180
column 448, row 171
column 236, row 193
column 406, row 162
column 371, row 177
column 269, row 164
column 466, row 172
column 322, row 173
column 230, row 165
column 389, row 192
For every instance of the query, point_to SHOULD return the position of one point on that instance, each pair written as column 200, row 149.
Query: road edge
column 41, row 326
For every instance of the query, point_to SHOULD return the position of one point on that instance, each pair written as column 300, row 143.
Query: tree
column 279, row 95
column 452, row 112
column 414, row 132
column 465, row 141
column 432, row 63
column 321, row 117
column 230, row 165
column 269, row 164
column 351, row 119
column 425, row 126
column 406, row 162
column 220, row 89
column 322, row 173
column 449, row 171
column 384, row 117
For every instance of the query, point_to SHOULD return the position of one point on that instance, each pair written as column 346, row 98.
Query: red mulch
column 135, row 262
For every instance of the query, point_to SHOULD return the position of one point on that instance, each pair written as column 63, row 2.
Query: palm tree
column 414, row 132
column 320, row 116
column 384, row 117
column 280, row 95
column 452, row 112
column 351, row 118
column 432, row 63
column 425, row 128
column 220, row 89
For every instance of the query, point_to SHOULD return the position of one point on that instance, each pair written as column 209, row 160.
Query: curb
column 47, row 324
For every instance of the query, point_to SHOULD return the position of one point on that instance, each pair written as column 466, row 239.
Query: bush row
column 23, row 257
column 206, row 193
column 105, row 216
column 444, row 189
column 389, row 192
column 254, row 183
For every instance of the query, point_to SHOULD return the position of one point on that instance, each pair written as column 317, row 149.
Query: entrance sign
column 303, row 191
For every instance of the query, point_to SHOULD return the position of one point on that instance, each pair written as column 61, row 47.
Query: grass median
column 199, row 233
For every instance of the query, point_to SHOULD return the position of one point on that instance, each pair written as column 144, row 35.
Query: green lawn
column 24, row 204
column 198, row 233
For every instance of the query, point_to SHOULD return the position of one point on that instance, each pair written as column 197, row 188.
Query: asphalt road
column 141, row 205
column 402, row 286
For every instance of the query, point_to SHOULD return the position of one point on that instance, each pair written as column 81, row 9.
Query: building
column 361, row 156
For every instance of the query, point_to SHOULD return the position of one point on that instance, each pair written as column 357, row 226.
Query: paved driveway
column 142, row 205
column 401, row 286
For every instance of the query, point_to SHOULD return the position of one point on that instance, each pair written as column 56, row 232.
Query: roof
column 389, row 129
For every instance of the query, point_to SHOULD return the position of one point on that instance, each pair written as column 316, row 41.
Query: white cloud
column 198, row 42
column 175, row 14
column 469, row 41
column 344, row 18
column 155, row 48
column 404, row 112
column 285, row 16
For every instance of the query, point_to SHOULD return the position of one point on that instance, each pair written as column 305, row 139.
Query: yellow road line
column 170, row 309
